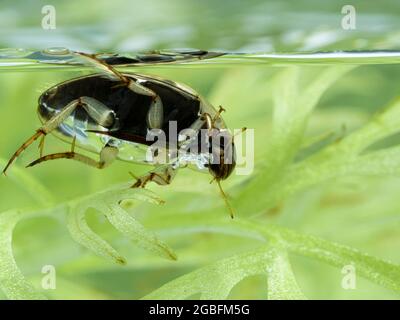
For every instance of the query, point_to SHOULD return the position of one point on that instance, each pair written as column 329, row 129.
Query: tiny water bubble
column 57, row 51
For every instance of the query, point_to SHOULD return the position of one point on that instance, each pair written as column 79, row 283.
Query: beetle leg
column 114, row 74
column 107, row 155
column 204, row 118
column 44, row 130
column 211, row 120
column 95, row 109
column 41, row 145
column 155, row 114
column 162, row 175
column 102, row 66
column 99, row 112
column 218, row 115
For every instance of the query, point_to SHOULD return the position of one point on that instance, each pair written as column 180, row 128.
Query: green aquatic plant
column 295, row 172
column 73, row 214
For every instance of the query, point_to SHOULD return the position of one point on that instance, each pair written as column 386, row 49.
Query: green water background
column 232, row 26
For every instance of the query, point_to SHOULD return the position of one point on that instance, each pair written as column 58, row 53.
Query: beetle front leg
column 211, row 120
column 162, row 175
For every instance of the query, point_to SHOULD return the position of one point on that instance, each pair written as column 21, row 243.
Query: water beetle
column 111, row 113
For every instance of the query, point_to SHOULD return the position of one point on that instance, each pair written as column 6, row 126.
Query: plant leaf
column 216, row 280
column 84, row 235
column 108, row 203
column 282, row 240
column 127, row 225
column 282, row 284
column 293, row 106
column 377, row 270
column 12, row 281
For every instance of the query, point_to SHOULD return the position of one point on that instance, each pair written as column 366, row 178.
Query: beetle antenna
column 223, row 195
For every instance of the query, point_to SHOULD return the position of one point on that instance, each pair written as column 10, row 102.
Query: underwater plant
column 303, row 158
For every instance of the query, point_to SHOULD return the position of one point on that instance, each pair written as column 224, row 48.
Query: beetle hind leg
column 155, row 114
column 25, row 145
column 107, row 155
column 41, row 145
column 49, row 126
column 103, row 115
column 107, row 70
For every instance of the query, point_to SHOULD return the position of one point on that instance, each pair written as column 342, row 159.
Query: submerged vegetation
column 324, row 188
column 320, row 207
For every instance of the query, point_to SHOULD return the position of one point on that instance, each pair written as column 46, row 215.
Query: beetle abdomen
column 130, row 108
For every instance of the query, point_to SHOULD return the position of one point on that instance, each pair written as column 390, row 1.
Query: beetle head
column 222, row 149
